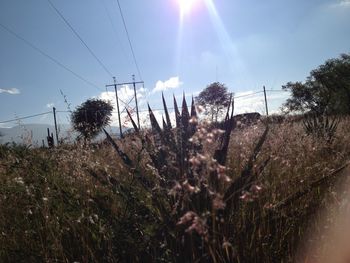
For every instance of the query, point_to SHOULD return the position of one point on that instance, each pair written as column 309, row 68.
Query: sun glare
column 186, row 6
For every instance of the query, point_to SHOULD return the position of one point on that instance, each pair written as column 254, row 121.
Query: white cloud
column 344, row 3
column 125, row 95
column 50, row 105
column 172, row 83
column 341, row 3
column 12, row 91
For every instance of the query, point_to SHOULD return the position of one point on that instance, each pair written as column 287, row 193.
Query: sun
column 186, row 6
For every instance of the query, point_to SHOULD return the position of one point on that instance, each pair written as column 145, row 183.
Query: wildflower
column 194, row 161
column 202, row 157
column 18, row 180
column 218, row 203
column 192, row 189
column 268, row 206
column 177, row 187
column 196, row 223
column 247, row 197
column 200, row 109
column 193, row 120
column 226, row 244
column 256, row 188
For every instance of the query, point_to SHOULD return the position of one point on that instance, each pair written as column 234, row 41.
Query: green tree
column 90, row 117
column 214, row 98
column 325, row 91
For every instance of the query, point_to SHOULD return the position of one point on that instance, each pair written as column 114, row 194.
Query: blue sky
column 243, row 43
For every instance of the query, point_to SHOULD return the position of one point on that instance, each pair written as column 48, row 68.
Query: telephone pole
column 115, row 85
column 135, row 95
column 137, row 107
column 267, row 110
column 56, row 130
column 116, row 97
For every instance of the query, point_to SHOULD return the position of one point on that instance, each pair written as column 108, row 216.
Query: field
column 90, row 203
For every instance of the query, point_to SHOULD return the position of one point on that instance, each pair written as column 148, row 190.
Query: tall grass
column 191, row 193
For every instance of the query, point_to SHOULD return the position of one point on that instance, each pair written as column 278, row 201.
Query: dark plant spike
column 232, row 106
column 228, row 109
column 132, row 121
column 122, row 155
column 165, row 126
column 167, row 117
column 177, row 114
column 221, row 154
column 154, row 122
column 246, row 177
column 193, row 109
column 185, row 116
column 193, row 124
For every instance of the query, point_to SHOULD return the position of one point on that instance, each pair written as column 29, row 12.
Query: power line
column 143, row 110
column 26, row 117
column 247, row 95
column 130, row 44
column 79, row 37
column 113, row 28
column 48, row 56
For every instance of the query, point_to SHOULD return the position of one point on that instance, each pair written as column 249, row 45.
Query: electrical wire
column 114, row 29
column 48, row 56
column 79, row 37
column 130, row 44
column 143, row 110
column 26, row 117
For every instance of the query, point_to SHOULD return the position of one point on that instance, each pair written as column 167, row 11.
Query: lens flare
column 186, row 6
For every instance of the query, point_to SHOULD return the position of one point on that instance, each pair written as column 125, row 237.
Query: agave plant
column 195, row 198
column 321, row 126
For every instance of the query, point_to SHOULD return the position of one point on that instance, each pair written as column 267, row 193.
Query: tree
column 325, row 91
column 90, row 117
column 214, row 98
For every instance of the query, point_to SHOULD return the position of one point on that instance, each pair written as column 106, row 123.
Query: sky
column 179, row 46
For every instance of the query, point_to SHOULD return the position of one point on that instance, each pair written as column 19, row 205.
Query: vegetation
column 262, row 191
column 215, row 99
column 90, row 117
column 190, row 193
column 326, row 90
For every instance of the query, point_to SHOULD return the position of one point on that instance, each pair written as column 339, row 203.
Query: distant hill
column 35, row 133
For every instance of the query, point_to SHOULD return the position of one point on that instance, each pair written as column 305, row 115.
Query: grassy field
column 84, row 203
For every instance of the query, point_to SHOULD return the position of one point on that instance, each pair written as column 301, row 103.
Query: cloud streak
column 12, row 91
column 341, row 4
column 172, row 83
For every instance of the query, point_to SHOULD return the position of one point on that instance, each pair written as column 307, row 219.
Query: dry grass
column 83, row 204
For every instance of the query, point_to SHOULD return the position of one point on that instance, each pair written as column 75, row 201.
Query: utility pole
column 135, row 94
column 56, row 130
column 137, row 107
column 267, row 110
column 116, row 97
